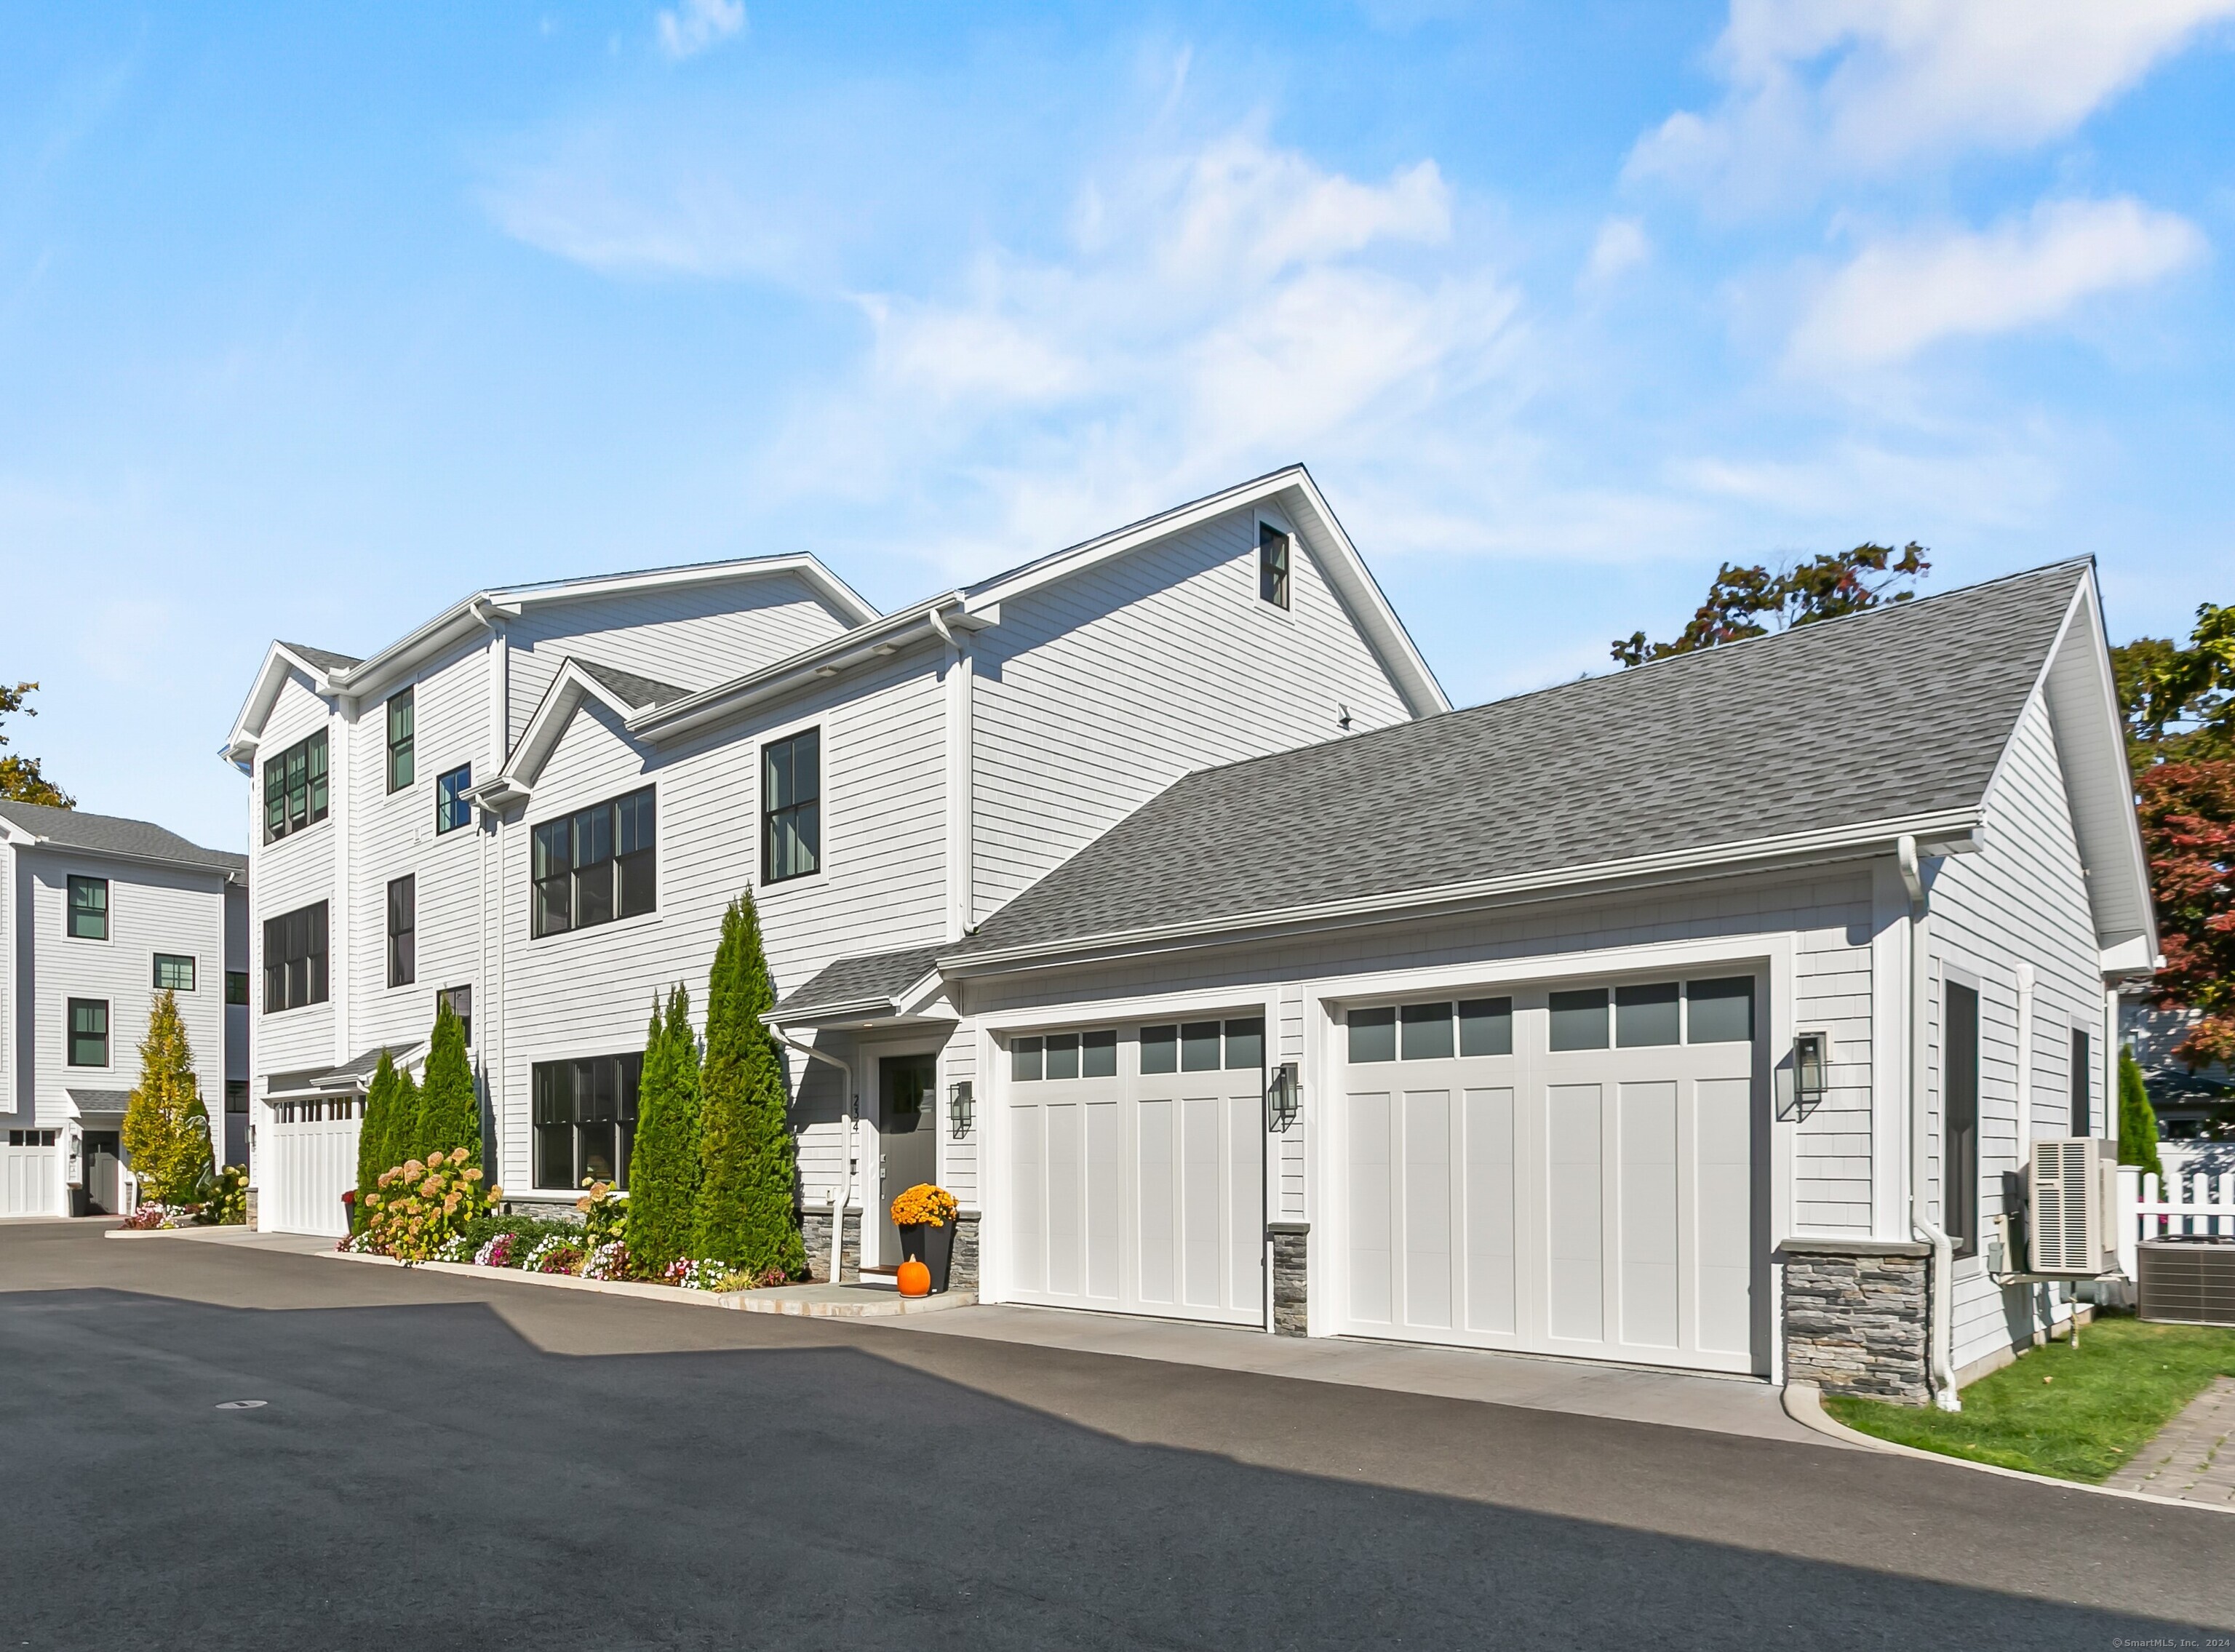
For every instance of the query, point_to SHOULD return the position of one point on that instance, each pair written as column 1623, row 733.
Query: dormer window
column 1272, row 565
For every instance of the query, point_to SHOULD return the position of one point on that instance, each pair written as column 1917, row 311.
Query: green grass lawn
column 2075, row 1415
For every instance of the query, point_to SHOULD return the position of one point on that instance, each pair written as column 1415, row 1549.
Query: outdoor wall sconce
column 1284, row 1099
column 960, row 1107
column 1802, row 1083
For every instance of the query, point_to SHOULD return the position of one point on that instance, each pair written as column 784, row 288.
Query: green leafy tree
column 375, row 1132
column 449, row 1114
column 2179, row 702
column 166, row 1126
column 748, row 1213
column 1754, row 601
column 20, row 779
column 2137, row 1120
column 664, row 1166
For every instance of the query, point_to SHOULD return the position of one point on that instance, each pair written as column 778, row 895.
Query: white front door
column 1559, row 1171
column 1135, row 1169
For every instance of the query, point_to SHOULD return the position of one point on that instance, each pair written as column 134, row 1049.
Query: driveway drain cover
column 240, row 1404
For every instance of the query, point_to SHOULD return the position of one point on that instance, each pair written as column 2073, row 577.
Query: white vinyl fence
column 2197, row 1203
column 312, row 1161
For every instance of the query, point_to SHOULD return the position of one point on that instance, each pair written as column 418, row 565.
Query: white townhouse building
column 97, row 916
column 541, row 801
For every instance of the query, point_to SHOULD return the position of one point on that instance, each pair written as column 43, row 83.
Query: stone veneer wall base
column 1855, row 1318
column 1291, row 1277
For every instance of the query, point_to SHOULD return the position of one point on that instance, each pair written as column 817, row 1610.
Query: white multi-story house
column 97, row 916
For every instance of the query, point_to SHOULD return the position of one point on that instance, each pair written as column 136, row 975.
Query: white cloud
column 696, row 24
column 1821, row 89
column 1899, row 295
column 1621, row 245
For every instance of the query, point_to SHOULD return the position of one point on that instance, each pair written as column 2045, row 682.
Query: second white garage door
column 1136, row 1170
column 1555, row 1172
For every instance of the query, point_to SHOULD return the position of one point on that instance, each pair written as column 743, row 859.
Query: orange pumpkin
column 915, row 1278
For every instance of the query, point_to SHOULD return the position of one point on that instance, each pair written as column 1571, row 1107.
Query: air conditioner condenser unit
column 2073, row 1206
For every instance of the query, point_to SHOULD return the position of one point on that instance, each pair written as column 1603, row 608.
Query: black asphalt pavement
column 449, row 1462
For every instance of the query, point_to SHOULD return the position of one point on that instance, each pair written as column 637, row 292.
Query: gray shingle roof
column 324, row 658
column 112, row 835
column 637, row 690
column 871, row 978
column 1898, row 711
column 348, row 1075
column 100, row 1101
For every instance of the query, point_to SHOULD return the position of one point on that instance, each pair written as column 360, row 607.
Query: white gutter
column 846, row 1106
column 1939, row 1286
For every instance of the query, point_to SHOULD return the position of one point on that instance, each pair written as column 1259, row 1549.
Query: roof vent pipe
column 1939, row 1286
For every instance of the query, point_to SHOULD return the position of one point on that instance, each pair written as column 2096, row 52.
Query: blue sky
column 311, row 321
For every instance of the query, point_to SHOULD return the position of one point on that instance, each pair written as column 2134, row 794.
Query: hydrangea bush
column 418, row 1208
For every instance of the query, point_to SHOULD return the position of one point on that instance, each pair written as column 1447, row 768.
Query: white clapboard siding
column 2022, row 899
column 296, row 871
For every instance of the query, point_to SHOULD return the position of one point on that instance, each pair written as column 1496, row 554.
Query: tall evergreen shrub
column 166, row 1126
column 450, row 1108
column 2137, row 1120
column 664, row 1164
column 375, row 1129
column 748, row 1214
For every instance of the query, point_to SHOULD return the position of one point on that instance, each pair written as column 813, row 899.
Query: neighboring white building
column 97, row 916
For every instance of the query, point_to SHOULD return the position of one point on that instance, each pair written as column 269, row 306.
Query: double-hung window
column 402, row 755
column 404, row 930
column 89, row 908
column 174, row 972
column 295, row 958
column 594, row 865
column 1273, row 553
column 451, row 808
column 791, row 807
column 88, row 1033
column 295, row 788
column 585, row 1119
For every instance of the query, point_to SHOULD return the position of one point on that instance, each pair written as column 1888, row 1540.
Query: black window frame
column 71, row 1035
column 236, row 988
column 193, row 972
column 556, row 1106
column 402, row 928
column 582, row 872
column 236, row 1091
column 73, row 912
column 784, row 806
column 2083, row 1084
column 455, row 996
column 1276, row 561
column 296, row 956
column 403, row 747
column 298, row 784
column 1959, row 1115
column 452, row 810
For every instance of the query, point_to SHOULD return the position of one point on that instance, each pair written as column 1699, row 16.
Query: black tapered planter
column 932, row 1246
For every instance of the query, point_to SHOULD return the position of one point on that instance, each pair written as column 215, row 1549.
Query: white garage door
column 31, row 1173
column 1136, row 1170
column 1555, row 1172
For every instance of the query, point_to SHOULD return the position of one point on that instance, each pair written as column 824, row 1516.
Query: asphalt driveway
column 441, row 1461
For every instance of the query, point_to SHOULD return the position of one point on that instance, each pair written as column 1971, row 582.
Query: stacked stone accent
column 815, row 1234
column 1855, row 1318
column 1291, row 1276
column 962, row 1268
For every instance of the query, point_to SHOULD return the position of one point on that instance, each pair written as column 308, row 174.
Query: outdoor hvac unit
column 2074, row 1228
column 2187, row 1280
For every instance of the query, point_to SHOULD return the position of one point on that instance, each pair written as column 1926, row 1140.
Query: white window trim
column 617, row 926
column 109, row 910
column 153, row 955
column 821, row 876
column 68, row 1065
column 1264, row 519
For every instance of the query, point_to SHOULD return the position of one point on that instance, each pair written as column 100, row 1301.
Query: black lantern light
column 1284, row 1099
column 959, row 1108
column 1802, row 1084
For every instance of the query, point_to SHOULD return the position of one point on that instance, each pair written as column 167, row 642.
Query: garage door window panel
column 1487, row 1027
column 1647, row 1014
column 1719, row 1012
column 1425, row 1032
column 1372, row 1035
column 1579, row 1020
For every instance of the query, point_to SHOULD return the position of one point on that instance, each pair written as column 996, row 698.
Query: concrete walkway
column 1720, row 1405
column 2193, row 1457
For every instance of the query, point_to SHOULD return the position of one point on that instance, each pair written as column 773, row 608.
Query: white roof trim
column 548, row 722
column 248, row 728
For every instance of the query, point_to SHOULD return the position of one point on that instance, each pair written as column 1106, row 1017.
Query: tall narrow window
column 451, row 808
column 1959, row 1100
column 791, row 807
column 401, row 752
column 295, row 958
column 88, row 1033
column 2083, row 1121
column 295, row 788
column 403, row 930
column 594, row 865
column 89, row 908
column 1272, row 565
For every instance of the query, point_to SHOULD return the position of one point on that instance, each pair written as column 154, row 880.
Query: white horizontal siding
column 296, row 871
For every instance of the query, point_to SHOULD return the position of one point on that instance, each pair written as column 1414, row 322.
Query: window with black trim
column 295, row 958
column 174, row 973
column 89, row 1032
column 593, row 865
column 791, row 807
column 2083, row 1122
column 1273, row 551
column 89, row 908
column 236, row 986
column 585, row 1119
column 404, row 930
column 236, row 1095
column 460, row 1000
column 295, row 788
column 451, row 808
column 402, row 753
column 1959, row 1102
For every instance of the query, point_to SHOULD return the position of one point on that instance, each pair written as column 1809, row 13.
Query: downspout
column 845, row 1189
column 1940, row 1285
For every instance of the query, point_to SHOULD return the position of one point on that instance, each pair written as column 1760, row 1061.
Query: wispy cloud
column 696, row 24
column 1898, row 296
column 1817, row 90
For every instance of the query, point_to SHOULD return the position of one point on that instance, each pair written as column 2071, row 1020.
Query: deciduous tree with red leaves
column 2188, row 829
